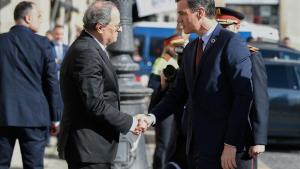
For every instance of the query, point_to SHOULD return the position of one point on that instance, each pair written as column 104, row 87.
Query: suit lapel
column 104, row 57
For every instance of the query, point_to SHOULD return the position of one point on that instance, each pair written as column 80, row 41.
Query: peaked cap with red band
column 227, row 16
column 174, row 40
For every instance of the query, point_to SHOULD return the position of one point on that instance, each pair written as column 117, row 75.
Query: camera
column 170, row 73
column 179, row 52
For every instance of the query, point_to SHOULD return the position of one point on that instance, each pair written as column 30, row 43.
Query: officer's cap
column 227, row 16
column 174, row 40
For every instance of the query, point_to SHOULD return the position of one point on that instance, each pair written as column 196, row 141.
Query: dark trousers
column 198, row 161
column 72, row 165
column 162, row 139
column 32, row 142
column 242, row 160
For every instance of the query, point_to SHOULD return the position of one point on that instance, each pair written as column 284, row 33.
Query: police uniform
column 163, row 61
column 259, row 112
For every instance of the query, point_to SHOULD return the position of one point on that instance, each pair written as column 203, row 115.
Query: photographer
column 163, row 74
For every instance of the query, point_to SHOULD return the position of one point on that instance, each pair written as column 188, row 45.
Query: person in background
column 29, row 89
column 162, row 77
column 49, row 35
column 59, row 48
column 258, row 116
column 286, row 42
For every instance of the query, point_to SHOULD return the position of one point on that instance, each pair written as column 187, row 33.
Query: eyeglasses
column 117, row 27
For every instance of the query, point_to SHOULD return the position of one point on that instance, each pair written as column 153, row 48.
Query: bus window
column 269, row 53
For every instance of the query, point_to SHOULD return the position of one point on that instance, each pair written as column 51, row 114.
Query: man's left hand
column 228, row 157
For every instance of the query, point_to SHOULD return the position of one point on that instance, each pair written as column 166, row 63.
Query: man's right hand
column 142, row 124
column 254, row 151
column 228, row 157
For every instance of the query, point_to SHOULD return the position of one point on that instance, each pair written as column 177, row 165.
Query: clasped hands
column 143, row 123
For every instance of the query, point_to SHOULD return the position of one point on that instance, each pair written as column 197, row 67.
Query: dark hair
column 208, row 5
column 22, row 9
column 98, row 14
column 58, row 26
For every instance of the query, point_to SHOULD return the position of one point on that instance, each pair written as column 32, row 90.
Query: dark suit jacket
column 28, row 80
column 218, row 97
column 259, row 113
column 65, row 49
column 91, row 122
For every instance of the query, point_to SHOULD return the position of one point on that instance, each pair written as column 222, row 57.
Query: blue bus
column 151, row 35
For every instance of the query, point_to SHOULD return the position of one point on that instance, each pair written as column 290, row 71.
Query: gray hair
column 208, row 5
column 98, row 12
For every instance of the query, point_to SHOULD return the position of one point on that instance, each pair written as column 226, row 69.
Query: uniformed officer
column 231, row 19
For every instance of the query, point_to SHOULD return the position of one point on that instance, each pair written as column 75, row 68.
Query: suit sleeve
column 239, row 72
column 260, row 109
column 50, row 83
column 88, row 74
column 173, row 100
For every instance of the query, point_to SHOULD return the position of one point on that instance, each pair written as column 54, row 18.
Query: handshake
column 142, row 122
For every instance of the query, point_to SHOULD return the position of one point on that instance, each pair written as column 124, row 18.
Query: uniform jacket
column 259, row 113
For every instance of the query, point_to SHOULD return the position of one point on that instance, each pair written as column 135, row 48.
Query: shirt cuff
column 56, row 123
column 153, row 118
column 229, row 145
column 134, row 124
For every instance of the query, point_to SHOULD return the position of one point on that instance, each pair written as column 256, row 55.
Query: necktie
column 198, row 55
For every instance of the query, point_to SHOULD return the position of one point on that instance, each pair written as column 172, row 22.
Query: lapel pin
column 213, row 41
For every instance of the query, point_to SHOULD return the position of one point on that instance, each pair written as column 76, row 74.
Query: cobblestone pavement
column 51, row 160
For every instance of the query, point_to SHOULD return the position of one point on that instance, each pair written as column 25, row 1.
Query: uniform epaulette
column 253, row 49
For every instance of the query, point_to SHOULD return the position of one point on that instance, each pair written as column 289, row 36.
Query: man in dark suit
column 92, row 122
column 215, row 83
column 257, row 138
column 28, row 87
column 59, row 48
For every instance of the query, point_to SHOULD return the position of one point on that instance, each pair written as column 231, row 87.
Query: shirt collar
column 102, row 46
column 208, row 34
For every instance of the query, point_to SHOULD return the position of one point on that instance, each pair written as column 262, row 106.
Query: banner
column 256, row 2
column 149, row 7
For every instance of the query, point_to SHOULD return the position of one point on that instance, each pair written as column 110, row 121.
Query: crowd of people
column 209, row 106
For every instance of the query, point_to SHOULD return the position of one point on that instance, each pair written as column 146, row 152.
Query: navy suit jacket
column 218, row 97
column 28, row 80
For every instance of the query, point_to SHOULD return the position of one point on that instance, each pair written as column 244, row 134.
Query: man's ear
column 99, row 27
column 27, row 19
column 200, row 12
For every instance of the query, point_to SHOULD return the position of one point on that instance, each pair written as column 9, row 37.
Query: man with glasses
column 92, row 122
column 256, row 136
